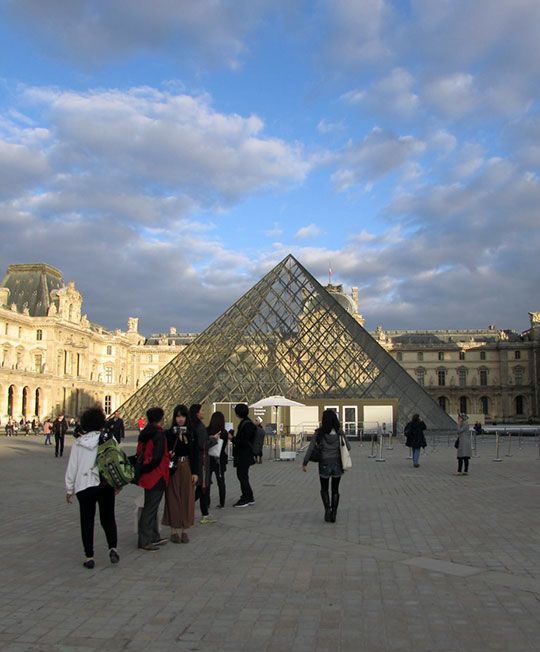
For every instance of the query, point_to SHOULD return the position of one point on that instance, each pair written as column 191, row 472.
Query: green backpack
column 113, row 464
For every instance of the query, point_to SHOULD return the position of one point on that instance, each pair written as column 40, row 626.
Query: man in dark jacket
column 152, row 446
column 115, row 426
column 59, row 429
column 243, row 453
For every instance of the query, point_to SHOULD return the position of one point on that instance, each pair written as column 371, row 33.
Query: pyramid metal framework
column 287, row 335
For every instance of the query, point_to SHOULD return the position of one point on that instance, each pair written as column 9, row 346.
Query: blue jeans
column 416, row 455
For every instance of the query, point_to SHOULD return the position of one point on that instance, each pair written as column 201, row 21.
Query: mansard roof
column 30, row 286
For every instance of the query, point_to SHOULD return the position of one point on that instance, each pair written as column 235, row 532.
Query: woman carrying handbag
column 325, row 448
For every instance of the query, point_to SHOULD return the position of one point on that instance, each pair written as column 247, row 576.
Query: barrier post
column 497, row 442
column 372, row 454
column 390, row 446
column 381, row 443
column 474, row 445
column 509, row 451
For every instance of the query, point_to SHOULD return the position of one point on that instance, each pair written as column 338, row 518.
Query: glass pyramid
column 287, row 335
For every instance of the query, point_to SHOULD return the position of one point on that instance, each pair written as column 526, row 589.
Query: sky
column 166, row 154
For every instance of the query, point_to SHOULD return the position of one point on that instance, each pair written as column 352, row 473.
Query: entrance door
column 350, row 420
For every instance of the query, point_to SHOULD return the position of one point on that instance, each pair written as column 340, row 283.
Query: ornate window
column 462, row 376
column 483, row 374
column 482, row 355
column 519, row 405
column 108, row 404
column 108, row 374
column 39, row 334
column 420, row 376
column 441, row 377
column 462, row 355
column 517, row 355
column 441, row 355
column 484, row 404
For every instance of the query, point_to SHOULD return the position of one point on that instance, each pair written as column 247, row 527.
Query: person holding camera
column 179, row 513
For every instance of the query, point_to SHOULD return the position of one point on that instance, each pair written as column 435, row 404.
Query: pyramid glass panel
column 287, row 335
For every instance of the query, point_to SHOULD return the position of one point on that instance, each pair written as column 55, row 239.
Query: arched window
column 442, row 402
column 24, row 408
column 463, row 404
column 519, row 405
column 484, row 404
column 37, row 403
column 11, row 395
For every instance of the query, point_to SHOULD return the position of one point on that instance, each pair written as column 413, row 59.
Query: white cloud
column 380, row 153
column 453, row 95
column 145, row 154
column 93, row 32
column 328, row 127
column 309, row 231
column 392, row 95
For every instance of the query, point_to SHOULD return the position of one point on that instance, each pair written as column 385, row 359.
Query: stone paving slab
column 419, row 560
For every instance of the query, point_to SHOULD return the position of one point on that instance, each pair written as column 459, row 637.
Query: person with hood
column 463, row 444
column 328, row 438
column 83, row 480
column 152, row 448
column 415, row 438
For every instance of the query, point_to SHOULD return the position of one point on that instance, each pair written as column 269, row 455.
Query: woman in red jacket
column 152, row 445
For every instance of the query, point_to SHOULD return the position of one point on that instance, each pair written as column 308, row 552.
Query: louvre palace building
column 300, row 339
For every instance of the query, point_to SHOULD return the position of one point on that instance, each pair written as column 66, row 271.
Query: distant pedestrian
column 218, row 458
column 83, row 480
column 59, row 429
column 179, row 511
column 243, row 454
column 152, row 447
column 47, row 429
column 258, row 444
column 415, row 438
column 115, row 426
column 463, row 444
column 328, row 438
column 478, row 428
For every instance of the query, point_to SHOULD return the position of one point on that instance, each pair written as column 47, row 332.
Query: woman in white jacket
column 83, row 481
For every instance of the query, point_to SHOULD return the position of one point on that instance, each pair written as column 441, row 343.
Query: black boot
column 326, row 502
column 335, row 503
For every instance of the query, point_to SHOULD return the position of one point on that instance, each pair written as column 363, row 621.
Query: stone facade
column 53, row 358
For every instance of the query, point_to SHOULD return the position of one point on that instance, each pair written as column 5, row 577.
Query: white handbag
column 346, row 461
column 215, row 450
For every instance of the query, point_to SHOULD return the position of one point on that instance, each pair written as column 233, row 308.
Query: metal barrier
column 381, row 443
column 497, row 444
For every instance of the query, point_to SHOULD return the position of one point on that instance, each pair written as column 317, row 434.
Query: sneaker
column 114, row 556
column 150, row 546
column 251, row 502
column 160, row 542
column 207, row 519
column 241, row 503
column 89, row 563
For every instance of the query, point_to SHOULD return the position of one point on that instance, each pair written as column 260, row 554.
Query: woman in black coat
column 203, row 441
column 415, row 438
column 218, row 463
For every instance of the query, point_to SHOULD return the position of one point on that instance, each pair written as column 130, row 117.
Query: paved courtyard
column 419, row 560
